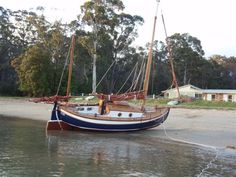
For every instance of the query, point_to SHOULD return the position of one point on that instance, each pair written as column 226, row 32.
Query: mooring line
column 198, row 144
column 58, row 119
column 210, row 163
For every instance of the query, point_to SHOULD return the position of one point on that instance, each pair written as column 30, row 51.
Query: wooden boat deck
column 96, row 116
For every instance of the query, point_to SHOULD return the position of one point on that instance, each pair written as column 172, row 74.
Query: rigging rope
column 142, row 68
column 135, row 82
column 142, row 74
column 105, row 73
column 127, row 78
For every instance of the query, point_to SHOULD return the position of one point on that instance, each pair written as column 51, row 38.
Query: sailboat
column 112, row 113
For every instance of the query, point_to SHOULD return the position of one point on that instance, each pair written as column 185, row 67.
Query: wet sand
column 207, row 127
column 22, row 108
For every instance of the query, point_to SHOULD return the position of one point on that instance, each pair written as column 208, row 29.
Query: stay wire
column 105, row 73
column 127, row 78
column 140, row 75
column 63, row 71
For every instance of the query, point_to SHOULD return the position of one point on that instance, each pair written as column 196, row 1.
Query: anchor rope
column 210, row 163
column 197, row 144
column 59, row 122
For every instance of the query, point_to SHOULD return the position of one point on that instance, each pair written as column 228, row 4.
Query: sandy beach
column 207, row 127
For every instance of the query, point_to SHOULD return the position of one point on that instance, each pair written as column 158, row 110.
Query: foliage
column 188, row 58
column 224, row 73
column 44, row 53
column 33, row 68
column 38, row 49
column 110, row 39
column 10, row 47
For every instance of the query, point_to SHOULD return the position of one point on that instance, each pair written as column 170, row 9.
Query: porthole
column 119, row 114
column 81, row 109
column 130, row 114
column 89, row 109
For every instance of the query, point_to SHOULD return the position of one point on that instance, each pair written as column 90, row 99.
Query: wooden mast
column 70, row 65
column 171, row 59
column 149, row 61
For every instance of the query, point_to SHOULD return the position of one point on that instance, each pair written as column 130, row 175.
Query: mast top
column 149, row 61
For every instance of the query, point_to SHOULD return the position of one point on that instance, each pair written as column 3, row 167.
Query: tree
column 223, row 72
column 188, row 57
column 34, row 71
column 45, row 42
column 161, row 70
column 111, row 33
column 10, row 47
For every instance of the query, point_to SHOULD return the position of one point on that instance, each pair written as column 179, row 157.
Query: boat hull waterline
column 65, row 120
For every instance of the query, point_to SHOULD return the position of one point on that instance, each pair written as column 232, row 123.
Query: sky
column 211, row 21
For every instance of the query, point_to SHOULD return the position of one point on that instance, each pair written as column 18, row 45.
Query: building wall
column 225, row 97
column 234, row 98
column 208, row 97
column 186, row 91
column 219, row 97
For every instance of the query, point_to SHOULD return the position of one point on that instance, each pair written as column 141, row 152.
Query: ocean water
column 26, row 149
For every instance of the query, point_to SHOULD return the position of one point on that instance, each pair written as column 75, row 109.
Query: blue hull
column 88, row 125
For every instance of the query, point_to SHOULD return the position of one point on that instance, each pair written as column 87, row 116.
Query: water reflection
column 27, row 151
column 127, row 154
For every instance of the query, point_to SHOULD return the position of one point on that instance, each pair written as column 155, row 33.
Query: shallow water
column 27, row 150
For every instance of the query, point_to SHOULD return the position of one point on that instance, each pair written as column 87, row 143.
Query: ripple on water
column 28, row 151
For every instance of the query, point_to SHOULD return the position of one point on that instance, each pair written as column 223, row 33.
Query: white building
column 186, row 90
column 227, row 95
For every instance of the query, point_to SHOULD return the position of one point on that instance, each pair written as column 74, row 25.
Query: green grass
column 210, row 104
column 159, row 102
column 193, row 104
column 163, row 102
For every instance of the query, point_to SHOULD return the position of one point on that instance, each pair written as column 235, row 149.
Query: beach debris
column 173, row 102
column 89, row 98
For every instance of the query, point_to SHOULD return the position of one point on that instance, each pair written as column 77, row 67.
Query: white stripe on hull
column 108, row 122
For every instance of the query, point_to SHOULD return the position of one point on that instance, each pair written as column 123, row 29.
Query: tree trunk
column 94, row 58
column 94, row 68
column 185, row 74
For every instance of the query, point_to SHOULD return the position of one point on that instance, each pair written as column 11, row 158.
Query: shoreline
column 209, row 127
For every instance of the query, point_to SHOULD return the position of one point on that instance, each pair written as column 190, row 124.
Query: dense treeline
column 33, row 52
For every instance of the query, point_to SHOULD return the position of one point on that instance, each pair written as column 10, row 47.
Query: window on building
column 167, row 95
column 213, row 97
column 198, row 96
column 230, row 98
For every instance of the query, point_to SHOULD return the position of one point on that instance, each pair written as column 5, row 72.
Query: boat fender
column 100, row 102
column 102, row 107
column 107, row 109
